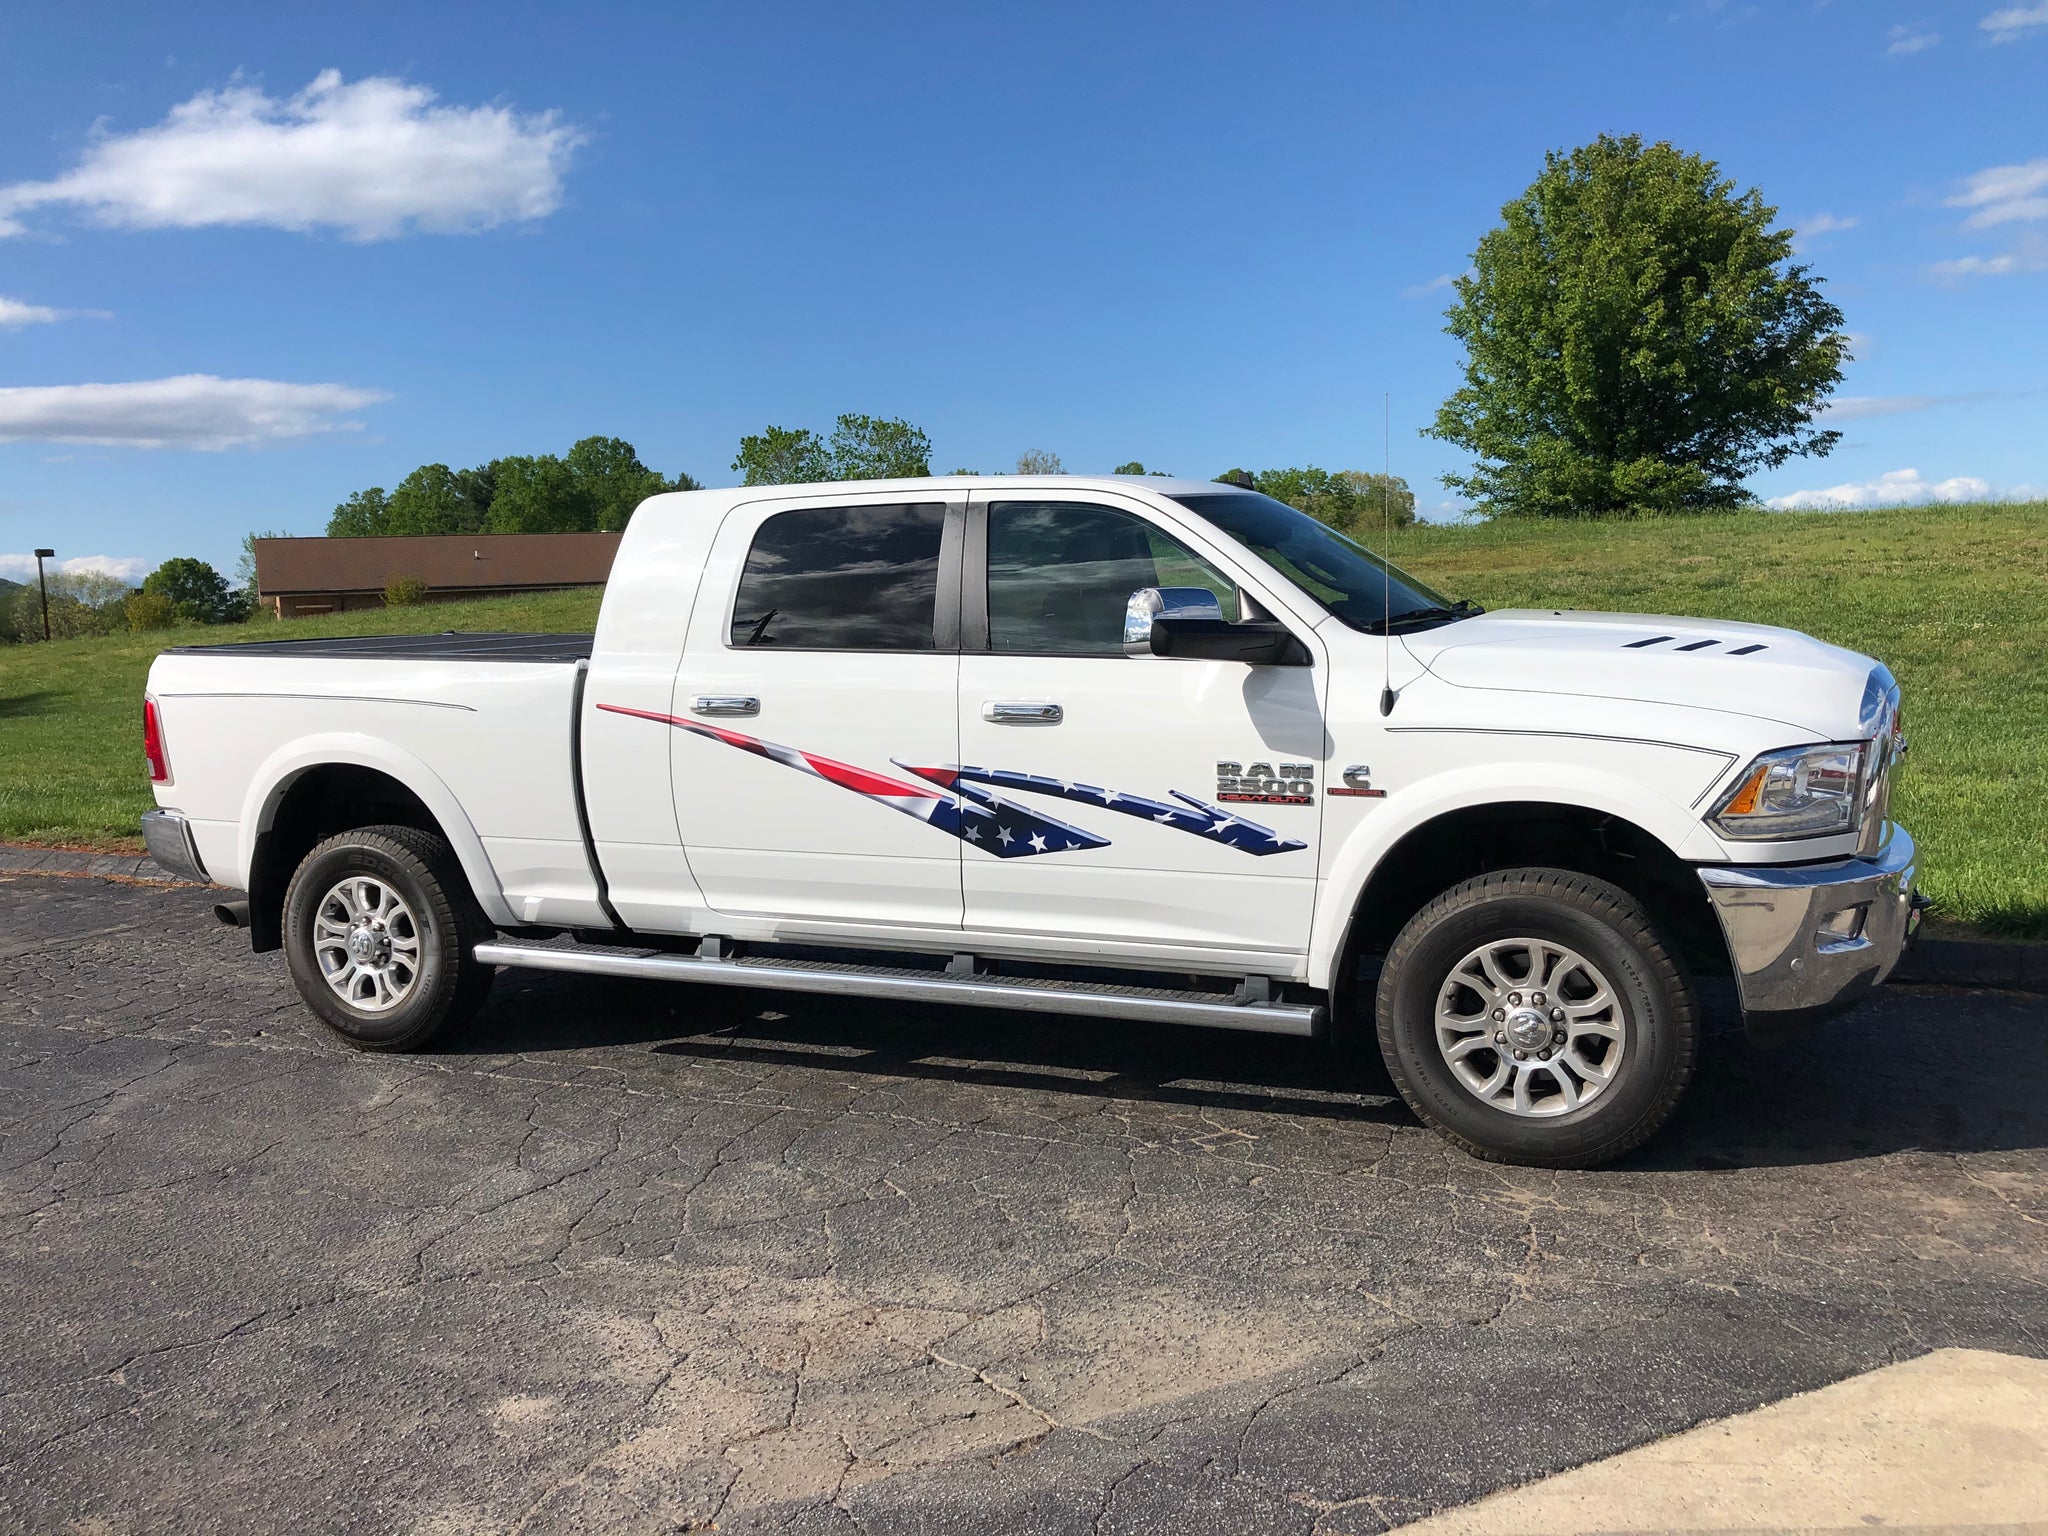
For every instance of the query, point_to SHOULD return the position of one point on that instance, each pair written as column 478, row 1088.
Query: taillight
column 153, row 744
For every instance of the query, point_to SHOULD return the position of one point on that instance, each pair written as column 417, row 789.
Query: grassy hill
column 1954, row 599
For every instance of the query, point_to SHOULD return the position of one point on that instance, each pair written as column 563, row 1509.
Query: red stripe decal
column 845, row 775
column 861, row 782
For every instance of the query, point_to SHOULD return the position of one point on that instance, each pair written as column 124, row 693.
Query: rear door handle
column 725, row 704
column 1023, row 714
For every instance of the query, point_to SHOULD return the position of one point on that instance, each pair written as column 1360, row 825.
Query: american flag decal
column 1191, row 815
column 970, row 813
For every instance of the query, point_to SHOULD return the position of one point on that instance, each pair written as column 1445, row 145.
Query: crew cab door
column 1116, row 781
column 822, row 647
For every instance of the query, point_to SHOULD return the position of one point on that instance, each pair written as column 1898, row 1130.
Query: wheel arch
column 1393, row 874
column 315, row 788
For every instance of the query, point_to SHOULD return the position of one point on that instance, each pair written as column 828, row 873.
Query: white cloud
column 1888, row 489
column 1862, row 407
column 2028, row 256
column 2005, row 194
column 371, row 159
column 193, row 410
column 1906, row 40
column 1820, row 224
column 1436, row 284
column 15, row 313
column 128, row 568
column 2006, row 24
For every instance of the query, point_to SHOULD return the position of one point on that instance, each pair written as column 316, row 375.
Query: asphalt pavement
column 636, row 1257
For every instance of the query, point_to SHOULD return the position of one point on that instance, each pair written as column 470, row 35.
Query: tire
column 1455, row 964
column 405, row 888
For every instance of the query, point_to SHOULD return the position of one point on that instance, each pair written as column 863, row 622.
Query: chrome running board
column 1152, row 1005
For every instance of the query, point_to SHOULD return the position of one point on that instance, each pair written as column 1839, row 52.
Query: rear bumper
column 168, row 836
column 1810, row 940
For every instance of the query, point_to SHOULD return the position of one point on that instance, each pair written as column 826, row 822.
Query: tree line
column 593, row 488
column 180, row 591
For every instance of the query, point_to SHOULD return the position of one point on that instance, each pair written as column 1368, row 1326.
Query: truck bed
column 450, row 645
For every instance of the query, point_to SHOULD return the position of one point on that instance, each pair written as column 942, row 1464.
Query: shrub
column 404, row 592
column 150, row 610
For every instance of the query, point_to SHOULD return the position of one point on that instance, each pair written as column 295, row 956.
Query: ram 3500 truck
column 1137, row 749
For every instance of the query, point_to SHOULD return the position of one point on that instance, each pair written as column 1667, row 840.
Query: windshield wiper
column 1463, row 608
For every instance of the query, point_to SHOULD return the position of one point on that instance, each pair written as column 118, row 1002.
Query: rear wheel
column 1536, row 1016
column 379, row 928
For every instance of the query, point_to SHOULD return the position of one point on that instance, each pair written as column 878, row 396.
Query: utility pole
column 44, row 587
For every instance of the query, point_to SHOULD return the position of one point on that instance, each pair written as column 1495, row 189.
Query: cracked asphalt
column 634, row 1257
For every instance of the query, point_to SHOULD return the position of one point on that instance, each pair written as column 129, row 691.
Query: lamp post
column 44, row 587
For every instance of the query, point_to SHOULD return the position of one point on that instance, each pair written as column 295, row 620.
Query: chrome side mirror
column 1150, row 604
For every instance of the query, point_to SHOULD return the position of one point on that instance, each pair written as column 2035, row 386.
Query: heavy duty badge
column 1259, row 784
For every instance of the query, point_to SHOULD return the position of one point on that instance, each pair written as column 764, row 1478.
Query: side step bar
column 1103, row 1000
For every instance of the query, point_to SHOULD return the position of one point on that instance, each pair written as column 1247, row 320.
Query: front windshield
column 1341, row 574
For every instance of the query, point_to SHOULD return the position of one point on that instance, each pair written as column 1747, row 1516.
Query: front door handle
column 725, row 704
column 1023, row 714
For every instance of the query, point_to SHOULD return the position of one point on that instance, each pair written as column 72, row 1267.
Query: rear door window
column 862, row 578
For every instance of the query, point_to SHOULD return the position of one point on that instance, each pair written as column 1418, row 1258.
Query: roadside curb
column 21, row 858
column 1976, row 963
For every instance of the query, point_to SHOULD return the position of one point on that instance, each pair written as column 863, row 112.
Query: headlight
column 1800, row 792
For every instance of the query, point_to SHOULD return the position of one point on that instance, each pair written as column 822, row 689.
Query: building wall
column 304, row 605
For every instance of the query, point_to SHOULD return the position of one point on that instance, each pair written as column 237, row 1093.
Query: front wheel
column 379, row 926
column 1536, row 1016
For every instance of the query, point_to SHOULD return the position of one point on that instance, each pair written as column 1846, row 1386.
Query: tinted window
column 1060, row 575
column 1345, row 577
column 842, row 578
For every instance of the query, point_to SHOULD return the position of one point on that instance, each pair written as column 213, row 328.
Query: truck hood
column 1745, row 669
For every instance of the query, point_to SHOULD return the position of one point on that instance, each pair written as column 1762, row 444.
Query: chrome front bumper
column 168, row 836
column 1810, row 940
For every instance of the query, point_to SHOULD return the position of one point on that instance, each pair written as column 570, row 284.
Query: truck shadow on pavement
column 1915, row 1069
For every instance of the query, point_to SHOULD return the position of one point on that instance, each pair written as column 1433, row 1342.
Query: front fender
column 1350, row 864
column 284, row 766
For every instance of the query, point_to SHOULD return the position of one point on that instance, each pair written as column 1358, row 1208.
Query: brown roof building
column 304, row 576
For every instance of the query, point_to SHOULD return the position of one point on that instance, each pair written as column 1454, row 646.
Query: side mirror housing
column 1189, row 622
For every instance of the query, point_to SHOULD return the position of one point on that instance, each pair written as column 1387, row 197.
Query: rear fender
column 283, row 767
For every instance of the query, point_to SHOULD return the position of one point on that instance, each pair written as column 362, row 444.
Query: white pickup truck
column 1138, row 749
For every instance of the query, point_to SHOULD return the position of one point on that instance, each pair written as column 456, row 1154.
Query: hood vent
column 1692, row 645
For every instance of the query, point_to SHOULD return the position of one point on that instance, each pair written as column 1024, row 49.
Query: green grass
column 71, row 769
column 1953, row 599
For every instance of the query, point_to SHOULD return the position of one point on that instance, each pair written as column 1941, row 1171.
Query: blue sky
column 1194, row 235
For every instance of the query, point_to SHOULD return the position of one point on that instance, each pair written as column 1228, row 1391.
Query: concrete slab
column 1954, row 1441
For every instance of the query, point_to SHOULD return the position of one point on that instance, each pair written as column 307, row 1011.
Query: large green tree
column 783, row 456
column 609, row 471
column 879, row 448
column 1357, row 502
column 431, row 500
column 861, row 448
column 198, row 592
column 1637, row 338
column 540, row 494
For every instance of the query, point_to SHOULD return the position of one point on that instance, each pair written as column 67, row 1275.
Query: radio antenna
column 1387, row 553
